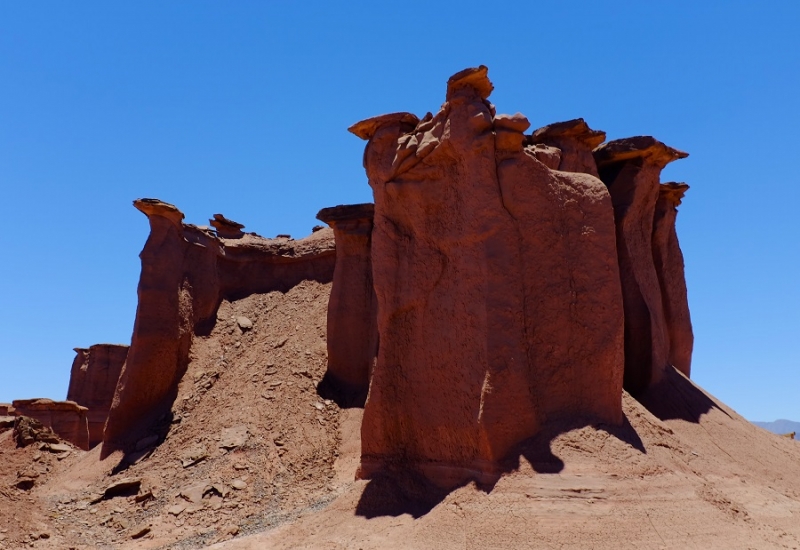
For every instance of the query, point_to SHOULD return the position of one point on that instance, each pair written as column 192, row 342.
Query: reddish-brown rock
column 352, row 309
column 66, row 418
column 668, row 260
column 499, row 305
column 186, row 272
column 575, row 141
column 631, row 168
column 92, row 382
column 5, row 408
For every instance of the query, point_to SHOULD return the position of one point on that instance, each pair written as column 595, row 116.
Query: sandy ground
column 255, row 458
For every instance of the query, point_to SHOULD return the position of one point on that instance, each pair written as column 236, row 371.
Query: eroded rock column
column 352, row 309
column 499, row 305
column 631, row 169
column 93, row 380
column 671, row 277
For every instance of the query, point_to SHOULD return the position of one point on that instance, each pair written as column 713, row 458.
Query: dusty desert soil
column 254, row 458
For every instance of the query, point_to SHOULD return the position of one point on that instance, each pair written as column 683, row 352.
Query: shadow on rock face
column 341, row 393
column 676, row 397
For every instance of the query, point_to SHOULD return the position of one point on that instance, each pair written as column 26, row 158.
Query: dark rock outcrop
column 92, row 382
column 352, row 309
column 668, row 260
column 631, row 168
column 499, row 303
column 66, row 419
column 186, row 272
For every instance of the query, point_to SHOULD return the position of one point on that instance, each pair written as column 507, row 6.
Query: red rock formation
column 631, row 168
column 499, row 305
column 669, row 267
column 352, row 309
column 575, row 142
column 92, row 381
column 5, row 408
column 66, row 418
column 186, row 272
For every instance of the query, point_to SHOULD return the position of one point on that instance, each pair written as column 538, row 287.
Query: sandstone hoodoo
column 66, row 418
column 92, row 382
column 186, row 272
column 669, row 266
column 496, row 276
column 352, row 309
column 631, row 168
column 574, row 141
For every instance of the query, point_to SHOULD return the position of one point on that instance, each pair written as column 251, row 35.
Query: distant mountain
column 780, row 426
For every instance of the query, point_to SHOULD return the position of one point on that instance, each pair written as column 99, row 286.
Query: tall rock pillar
column 669, row 266
column 499, row 304
column 631, row 169
column 352, row 309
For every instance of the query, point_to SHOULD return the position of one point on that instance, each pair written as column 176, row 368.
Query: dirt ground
column 255, row 458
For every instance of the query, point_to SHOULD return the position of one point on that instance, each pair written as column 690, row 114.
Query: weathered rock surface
column 92, row 382
column 352, row 310
column 575, row 142
column 66, row 419
column 631, row 168
column 186, row 272
column 499, row 305
column 668, row 260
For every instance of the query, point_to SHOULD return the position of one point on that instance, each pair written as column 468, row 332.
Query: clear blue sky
column 242, row 108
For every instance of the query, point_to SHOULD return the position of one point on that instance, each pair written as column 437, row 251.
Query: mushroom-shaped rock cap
column 366, row 128
column 575, row 128
column 346, row 212
column 474, row 77
column 155, row 207
column 673, row 191
column 645, row 147
column 226, row 228
column 514, row 123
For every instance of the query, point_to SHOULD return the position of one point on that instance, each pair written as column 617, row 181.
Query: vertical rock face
column 575, row 142
column 352, row 310
column 499, row 304
column 669, row 267
column 631, row 168
column 92, row 382
column 186, row 272
column 66, row 418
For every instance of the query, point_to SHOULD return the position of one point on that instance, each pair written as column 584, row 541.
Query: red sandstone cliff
column 499, row 304
column 92, row 382
column 186, row 271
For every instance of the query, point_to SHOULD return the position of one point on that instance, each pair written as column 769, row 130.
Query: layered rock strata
column 631, row 169
column 93, row 380
column 352, row 309
column 669, row 265
column 66, row 418
column 499, row 303
column 186, row 271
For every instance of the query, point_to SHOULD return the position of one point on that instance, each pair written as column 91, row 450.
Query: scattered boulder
column 233, row 437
